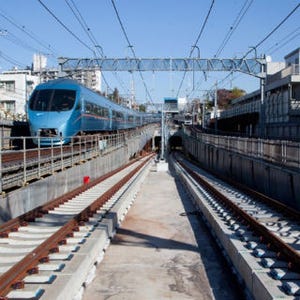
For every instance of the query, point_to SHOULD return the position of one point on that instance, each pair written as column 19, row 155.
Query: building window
column 8, row 86
column 8, row 106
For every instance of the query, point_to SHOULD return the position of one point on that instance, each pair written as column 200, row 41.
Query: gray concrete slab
column 162, row 251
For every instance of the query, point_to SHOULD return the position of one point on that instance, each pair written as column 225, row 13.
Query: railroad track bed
column 62, row 270
column 262, row 242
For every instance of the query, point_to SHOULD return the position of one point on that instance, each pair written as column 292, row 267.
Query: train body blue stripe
column 90, row 112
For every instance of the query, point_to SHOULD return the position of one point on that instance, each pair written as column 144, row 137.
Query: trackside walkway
column 162, row 251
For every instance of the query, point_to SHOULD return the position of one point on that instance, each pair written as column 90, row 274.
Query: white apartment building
column 15, row 87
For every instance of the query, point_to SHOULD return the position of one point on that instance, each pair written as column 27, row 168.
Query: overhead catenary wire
column 264, row 39
column 76, row 12
column 241, row 14
column 196, row 42
column 82, row 22
column 65, row 27
column 26, row 31
column 131, row 48
column 87, row 30
column 71, row 32
column 234, row 26
column 273, row 30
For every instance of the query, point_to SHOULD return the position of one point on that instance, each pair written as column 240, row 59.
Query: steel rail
column 13, row 224
column 288, row 211
column 284, row 251
column 13, row 278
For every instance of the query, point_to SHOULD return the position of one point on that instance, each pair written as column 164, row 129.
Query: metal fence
column 23, row 163
column 281, row 152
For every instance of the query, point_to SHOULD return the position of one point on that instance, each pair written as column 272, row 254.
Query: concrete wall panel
column 276, row 182
column 37, row 193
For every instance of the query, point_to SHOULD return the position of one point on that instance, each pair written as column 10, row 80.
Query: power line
column 203, row 26
column 123, row 28
column 269, row 34
column 65, row 27
column 131, row 48
column 17, row 41
column 88, row 31
column 93, row 39
column 27, row 32
column 196, row 42
column 82, row 22
column 266, row 37
column 284, row 41
column 234, row 26
column 11, row 60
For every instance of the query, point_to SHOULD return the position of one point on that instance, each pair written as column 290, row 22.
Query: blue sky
column 156, row 28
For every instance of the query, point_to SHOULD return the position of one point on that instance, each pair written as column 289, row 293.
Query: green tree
column 115, row 97
column 142, row 108
column 237, row 93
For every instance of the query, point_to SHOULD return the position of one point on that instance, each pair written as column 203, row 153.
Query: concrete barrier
column 40, row 192
column 247, row 267
column 275, row 181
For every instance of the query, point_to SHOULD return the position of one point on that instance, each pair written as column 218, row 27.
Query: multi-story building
column 279, row 115
column 15, row 87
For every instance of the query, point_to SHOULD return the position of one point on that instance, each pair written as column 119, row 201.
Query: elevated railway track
column 20, row 167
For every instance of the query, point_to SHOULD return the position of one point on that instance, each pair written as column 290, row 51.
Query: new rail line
column 259, row 235
column 36, row 246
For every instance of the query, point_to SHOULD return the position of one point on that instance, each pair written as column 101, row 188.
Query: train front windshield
column 52, row 100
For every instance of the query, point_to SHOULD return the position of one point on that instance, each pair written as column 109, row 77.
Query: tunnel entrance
column 175, row 142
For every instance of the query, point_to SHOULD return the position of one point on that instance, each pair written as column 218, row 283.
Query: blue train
column 62, row 108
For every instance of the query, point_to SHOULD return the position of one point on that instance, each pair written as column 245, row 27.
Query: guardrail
column 281, row 152
column 27, row 163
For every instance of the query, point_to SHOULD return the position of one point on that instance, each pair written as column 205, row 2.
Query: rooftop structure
column 280, row 111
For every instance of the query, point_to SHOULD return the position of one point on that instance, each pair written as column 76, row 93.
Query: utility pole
column 162, row 153
column 262, row 100
column 203, row 113
column 216, row 107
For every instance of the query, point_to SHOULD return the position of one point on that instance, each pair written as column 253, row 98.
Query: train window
column 120, row 116
column 52, row 100
column 104, row 112
column 40, row 100
column 63, row 100
column 96, row 110
column 130, row 119
column 88, row 107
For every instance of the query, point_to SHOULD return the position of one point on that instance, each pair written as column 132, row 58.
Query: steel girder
column 249, row 66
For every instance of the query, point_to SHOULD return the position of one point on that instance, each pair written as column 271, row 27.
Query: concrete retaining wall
column 18, row 202
column 274, row 181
